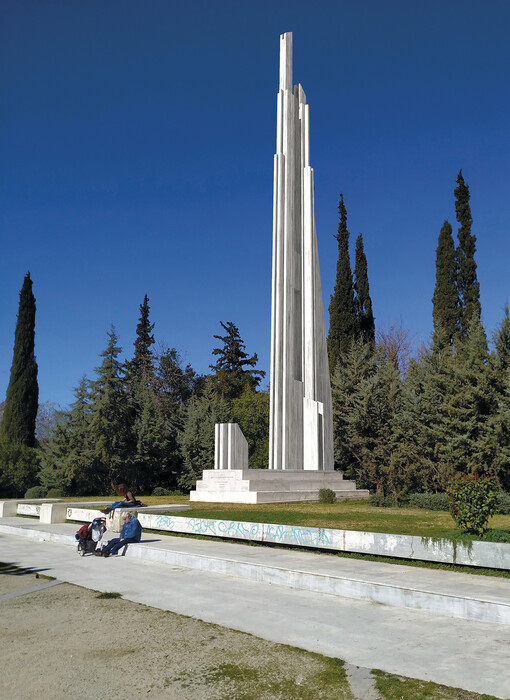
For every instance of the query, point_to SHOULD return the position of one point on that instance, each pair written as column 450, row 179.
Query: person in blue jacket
column 131, row 532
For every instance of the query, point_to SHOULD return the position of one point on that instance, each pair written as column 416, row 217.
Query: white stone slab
column 32, row 509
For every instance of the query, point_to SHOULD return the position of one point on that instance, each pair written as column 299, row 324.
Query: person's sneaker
column 98, row 553
column 105, row 554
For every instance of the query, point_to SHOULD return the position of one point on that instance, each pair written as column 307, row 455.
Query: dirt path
column 65, row 642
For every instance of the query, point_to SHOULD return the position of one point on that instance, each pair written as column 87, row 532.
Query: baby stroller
column 88, row 536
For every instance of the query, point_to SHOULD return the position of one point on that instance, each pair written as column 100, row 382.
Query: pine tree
column 445, row 300
column 500, row 364
column 68, row 462
column 18, row 422
column 152, row 454
column 468, row 286
column 196, row 439
column 368, row 394
column 501, row 354
column 460, row 410
column 231, row 370
column 110, row 425
column 175, row 382
column 357, row 367
column 363, row 302
column 342, row 317
column 142, row 363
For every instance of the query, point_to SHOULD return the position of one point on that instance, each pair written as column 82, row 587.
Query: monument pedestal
column 271, row 486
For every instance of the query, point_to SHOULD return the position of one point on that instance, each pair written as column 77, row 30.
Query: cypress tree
column 468, row 286
column 342, row 315
column 18, row 423
column 445, row 300
column 363, row 302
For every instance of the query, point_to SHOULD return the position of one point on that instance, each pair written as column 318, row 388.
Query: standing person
column 131, row 532
column 128, row 502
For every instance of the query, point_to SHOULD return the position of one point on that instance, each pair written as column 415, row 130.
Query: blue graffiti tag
column 165, row 522
column 238, row 529
column 304, row 536
column 202, row 527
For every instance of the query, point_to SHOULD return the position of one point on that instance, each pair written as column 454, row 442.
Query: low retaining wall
column 114, row 518
column 494, row 555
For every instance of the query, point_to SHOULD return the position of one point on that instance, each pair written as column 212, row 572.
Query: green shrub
column 430, row 501
column 36, row 492
column 160, row 491
column 327, row 496
column 497, row 536
column 503, row 504
column 19, row 467
column 381, row 501
column 54, row 493
column 472, row 500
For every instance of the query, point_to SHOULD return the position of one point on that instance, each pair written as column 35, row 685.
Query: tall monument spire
column 301, row 421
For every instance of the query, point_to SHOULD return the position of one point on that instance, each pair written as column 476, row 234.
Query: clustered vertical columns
column 230, row 447
column 301, row 428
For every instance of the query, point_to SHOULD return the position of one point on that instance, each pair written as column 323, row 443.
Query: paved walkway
column 459, row 653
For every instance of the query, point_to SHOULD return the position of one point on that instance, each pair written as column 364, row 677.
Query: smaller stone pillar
column 8, row 509
column 53, row 513
column 230, row 447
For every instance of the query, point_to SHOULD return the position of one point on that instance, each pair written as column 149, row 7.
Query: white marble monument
column 301, row 417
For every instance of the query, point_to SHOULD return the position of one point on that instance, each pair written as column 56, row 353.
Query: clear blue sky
column 136, row 153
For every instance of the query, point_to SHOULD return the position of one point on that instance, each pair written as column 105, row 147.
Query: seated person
column 131, row 532
column 128, row 502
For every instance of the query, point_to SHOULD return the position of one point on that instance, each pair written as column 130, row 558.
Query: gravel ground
column 65, row 642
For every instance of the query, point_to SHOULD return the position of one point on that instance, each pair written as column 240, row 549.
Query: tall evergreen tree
column 175, row 382
column 18, row 422
column 196, row 439
column 459, row 411
column 363, row 302
column 500, row 364
column 468, row 286
column 68, row 460
column 368, row 394
column 501, row 354
column 445, row 300
column 231, row 369
column 109, row 425
column 141, row 364
column 342, row 316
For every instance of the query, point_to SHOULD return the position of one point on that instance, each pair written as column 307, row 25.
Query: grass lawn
column 346, row 515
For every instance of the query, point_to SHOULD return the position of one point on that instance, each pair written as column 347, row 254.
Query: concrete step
column 278, row 485
column 260, row 496
column 445, row 593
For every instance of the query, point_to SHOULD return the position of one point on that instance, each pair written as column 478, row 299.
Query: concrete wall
column 484, row 554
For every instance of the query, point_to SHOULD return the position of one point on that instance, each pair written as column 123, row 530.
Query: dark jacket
column 131, row 528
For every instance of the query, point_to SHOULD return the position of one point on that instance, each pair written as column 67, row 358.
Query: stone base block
column 271, row 486
column 8, row 509
column 53, row 513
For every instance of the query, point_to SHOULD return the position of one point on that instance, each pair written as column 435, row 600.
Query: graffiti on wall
column 237, row 529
